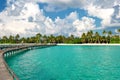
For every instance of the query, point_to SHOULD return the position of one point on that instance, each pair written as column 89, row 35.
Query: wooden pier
column 5, row 72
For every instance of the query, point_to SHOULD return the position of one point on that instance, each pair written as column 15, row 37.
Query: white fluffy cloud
column 16, row 19
column 102, row 9
column 26, row 18
column 57, row 5
column 83, row 25
column 78, row 3
column 104, row 14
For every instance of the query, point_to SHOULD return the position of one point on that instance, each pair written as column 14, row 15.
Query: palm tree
column 17, row 38
column 97, row 36
column 45, row 40
column 83, row 38
column 110, row 33
column 71, row 39
column 11, row 39
column 104, row 32
column 23, row 40
column 60, row 39
column 90, row 36
column 91, row 32
column 52, row 39
column 118, row 31
column 38, row 36
column 72, row 36
column 5, row 39
column 119, row 34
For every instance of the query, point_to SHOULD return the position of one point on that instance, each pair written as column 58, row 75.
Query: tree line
column 89, row 37
column 106, row 37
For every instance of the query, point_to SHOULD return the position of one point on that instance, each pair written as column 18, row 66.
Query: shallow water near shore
column 67, row 63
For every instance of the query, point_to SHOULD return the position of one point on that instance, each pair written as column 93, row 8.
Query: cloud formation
column 27, row 18
column 104, row 14
column 102, row 9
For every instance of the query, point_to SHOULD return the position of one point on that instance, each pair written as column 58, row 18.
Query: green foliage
column 89, row 37
column 107, row 37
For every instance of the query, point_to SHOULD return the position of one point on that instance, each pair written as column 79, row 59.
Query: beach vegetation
column 88, row 37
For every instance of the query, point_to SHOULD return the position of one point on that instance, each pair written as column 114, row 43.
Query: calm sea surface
column 67, row 63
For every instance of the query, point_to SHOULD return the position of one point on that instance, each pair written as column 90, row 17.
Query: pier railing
column 10, row 71
column 15, row 47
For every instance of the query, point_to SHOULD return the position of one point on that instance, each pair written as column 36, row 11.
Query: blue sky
column 2, row 5
column 58, row 17
column 62, row 14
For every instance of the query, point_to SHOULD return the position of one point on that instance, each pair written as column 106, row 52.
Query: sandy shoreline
column 92, row 44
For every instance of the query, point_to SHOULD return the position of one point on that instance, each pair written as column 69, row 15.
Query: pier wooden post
column 7, row 50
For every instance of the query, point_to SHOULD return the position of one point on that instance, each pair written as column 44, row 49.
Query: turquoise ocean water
column 67, row 63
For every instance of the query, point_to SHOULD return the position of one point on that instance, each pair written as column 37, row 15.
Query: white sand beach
column 91, row 44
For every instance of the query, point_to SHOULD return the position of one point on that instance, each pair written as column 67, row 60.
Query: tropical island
column 59, row 39
column 89, row 37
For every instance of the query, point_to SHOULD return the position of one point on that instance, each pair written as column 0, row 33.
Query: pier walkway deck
column 5, row 72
